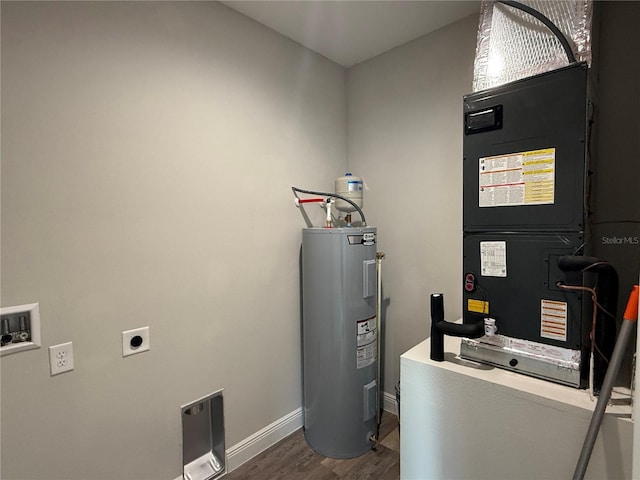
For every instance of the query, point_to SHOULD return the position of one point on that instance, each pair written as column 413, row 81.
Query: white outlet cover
column 61, row 358
column 128, row 335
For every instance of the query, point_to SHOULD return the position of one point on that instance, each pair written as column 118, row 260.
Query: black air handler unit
column 524, row 206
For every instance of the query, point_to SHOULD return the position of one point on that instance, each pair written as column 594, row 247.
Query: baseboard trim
column 389, row 403
column 257, row 443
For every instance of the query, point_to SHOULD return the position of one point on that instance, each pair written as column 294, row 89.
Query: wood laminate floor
column 292, row 459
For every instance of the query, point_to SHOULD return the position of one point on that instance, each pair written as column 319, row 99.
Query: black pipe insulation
column 440, row 328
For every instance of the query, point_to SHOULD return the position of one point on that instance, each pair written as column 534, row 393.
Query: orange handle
column 631, row 312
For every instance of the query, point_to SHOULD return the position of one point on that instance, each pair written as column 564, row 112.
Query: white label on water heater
column 523, row 178
column 368, row 238
column 366, row 342
column 366, row 331
column 366, row 355
column 493, row 259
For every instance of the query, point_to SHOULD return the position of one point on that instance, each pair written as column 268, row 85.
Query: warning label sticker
column 366, row 355
column 553, row 320
column 477, row 306
column 524, row 178
column 366, row 342
column 366, row 331
column 493, row 259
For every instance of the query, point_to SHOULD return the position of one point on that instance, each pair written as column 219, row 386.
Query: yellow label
column 477, row 306
column 523, row 178
column 542, row 152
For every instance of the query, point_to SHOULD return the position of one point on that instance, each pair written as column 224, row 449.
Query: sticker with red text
column 553, row 320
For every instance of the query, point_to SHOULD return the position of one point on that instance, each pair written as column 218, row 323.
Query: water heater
column 339, row 339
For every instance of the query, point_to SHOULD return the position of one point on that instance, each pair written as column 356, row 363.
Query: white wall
column 405, row 138
column 485, row 423
column 148, row 151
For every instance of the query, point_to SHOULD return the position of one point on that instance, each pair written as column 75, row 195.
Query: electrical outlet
column 135, row 341
column 61, row 358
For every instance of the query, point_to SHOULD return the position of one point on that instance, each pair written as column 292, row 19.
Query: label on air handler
column 477, row 306
column 493, row 259
column 524, row 178
column 366, row 342
column 553, row 319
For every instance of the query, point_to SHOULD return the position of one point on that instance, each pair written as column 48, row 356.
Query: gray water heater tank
column 339, row 339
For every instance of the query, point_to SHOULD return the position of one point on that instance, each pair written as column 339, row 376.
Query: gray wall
column 148, row 151
column 405, row 139
column 147, row 155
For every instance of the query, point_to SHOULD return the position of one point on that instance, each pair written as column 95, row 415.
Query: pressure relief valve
column 329, row 221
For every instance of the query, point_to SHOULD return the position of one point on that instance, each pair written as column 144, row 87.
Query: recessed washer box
column 20, row 328
column 203, row 441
